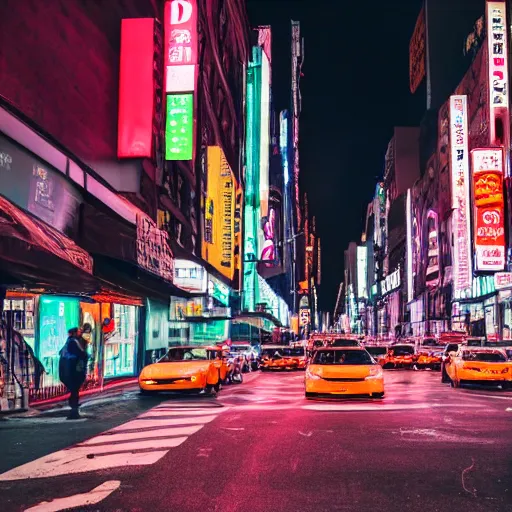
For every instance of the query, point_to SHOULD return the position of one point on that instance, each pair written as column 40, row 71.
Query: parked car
column 192, row 368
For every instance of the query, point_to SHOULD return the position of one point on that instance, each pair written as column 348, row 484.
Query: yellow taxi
column 187, row 368
column 348, row 371
column 478, row 365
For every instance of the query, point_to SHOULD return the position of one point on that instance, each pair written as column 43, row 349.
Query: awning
column 129, row 278
column 33, row 252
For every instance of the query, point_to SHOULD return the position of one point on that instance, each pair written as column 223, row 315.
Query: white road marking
column 78, row 500
column 123, row 444
column 171, row 412
column 143, row 424
column 164, row 432
column 66, row 462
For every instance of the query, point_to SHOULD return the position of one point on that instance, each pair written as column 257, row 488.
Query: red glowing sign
column 180, row 28
column 136, row 89
column 489, row 224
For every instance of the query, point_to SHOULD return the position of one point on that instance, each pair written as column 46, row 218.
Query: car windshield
column 185, row 354
column 487, row 357
column 376, row 351
column 343, row 342
column 240, row 348
column 276, row 352
column 402, row 350
column 347, row 357
column 294, row 352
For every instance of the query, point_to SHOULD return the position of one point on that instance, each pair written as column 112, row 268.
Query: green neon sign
column 179, row 127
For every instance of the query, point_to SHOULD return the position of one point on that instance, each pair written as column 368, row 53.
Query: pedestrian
column 73, row 368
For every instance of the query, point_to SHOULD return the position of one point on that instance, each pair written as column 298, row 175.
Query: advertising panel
column 136, row 89
column 180, row 26
column 417, row 53
column 271, row 225
column 489, row 209
column 153, row 250
column 502, row 280
column 218, row 290
column 409, row 241
column 34, row 186
column 218, row 246
column 499, row 124
column 190, row 276
column 179, row 127
column 361, row 272
column 459, row 158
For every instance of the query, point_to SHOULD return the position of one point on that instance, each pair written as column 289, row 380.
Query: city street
column 261, row 446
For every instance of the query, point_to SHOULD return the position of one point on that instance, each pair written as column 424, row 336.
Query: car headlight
column 149, row 381
column 375, row 373
column 193, row 378
column 312, row 376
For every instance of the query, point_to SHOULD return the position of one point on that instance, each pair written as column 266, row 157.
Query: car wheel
column 378, row 395
column 310, row 395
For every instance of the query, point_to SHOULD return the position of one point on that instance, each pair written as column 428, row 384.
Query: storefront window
column 22, row 317
column 215, row 331
column 120, row 345
column 91, row 316
column 56, row 316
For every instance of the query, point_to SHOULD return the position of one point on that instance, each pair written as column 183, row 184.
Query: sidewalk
column 87, row 398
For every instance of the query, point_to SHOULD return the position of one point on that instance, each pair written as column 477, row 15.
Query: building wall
column 59, row 65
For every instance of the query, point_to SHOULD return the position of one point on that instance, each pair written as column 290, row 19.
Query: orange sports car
column 399, row 356
column 192, row 368
column 429, row 358
column 281, row 357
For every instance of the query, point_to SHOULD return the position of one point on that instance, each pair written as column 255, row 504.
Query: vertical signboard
column 459, row 169
column 361, row 272
column 136, row 89
column 498, row 74
column 489, row 209
column 410, row 290
column 417, row 53
column 218, row 246
column 180, row 47
column 179, row 127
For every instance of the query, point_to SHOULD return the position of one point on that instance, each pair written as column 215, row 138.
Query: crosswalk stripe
column 127, row 436
column 67, row 462
column 144, row 424
column 142, row 441
column 128, row 446
column 169, row 412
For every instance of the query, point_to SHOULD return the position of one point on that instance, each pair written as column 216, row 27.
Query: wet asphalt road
column 261, row 446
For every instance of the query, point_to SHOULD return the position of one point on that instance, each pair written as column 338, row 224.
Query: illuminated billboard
column 409, row 253
column 180, row 29
column 459, row 169
column 218, row 246
column 179, row 127
column 499, row 122
column 361, row 272
column 488, row 209
column 417, row 53
column 136, row 89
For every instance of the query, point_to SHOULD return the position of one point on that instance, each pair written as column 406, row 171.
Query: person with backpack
column 73, row 368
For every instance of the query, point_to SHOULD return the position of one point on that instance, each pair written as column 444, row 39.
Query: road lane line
column 166, row 432
column 66, row 462
column 78, row 500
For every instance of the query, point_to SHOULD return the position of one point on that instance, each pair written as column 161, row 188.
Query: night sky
column 354, row 90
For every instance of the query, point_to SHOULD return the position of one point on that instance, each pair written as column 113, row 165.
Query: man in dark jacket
column 73, row 368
